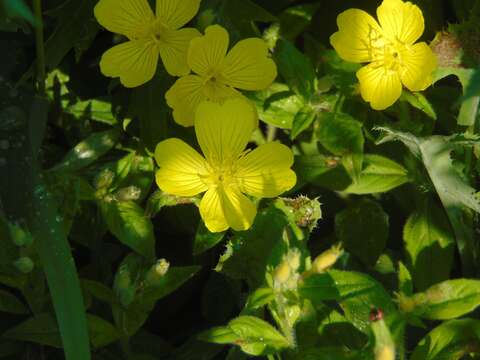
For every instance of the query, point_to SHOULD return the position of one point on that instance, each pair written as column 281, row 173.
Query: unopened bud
column 104, row 179
column 384, row 345
column 385, row 353
column 326, row 259
column 19, row 236
column 282, row 273
column 24, row 264
column 157, row 271
column 128, row 193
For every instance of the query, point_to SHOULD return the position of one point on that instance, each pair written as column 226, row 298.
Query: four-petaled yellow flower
column 228, row 171
column 218, row 74
column 389, row 47
column 150, row 36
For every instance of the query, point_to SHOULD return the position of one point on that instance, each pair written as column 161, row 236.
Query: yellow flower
column 389, row 47
column 149, row 35
column 228, row 171
column 217, row 74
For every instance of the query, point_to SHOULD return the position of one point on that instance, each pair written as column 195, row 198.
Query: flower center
column 220, row 175
column 386, row 53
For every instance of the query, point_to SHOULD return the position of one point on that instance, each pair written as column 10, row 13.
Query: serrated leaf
column 127, row 221
column 363, row 229
column 420, row 102
column 454, row 192
column 428, row 240
column 259, row 298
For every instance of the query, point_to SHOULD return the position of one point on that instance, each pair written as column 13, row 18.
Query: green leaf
column 379, row 174
column 405, row 283
column 88, row 150
column 255, row 247
column 205, row 239
column 10, row 304
column 448, row 299
column 469, row 108
column 318, row 288
column 254, row 336
column 258, row 299
column 428, row 240
column 148, row 104
column 454, row 192
column 96, row 109
column 277, row 105
column 18, row 8
column 342, row 135
column 36, row 207
column 296, row 19
column 420, row 102
column 358, row 294
column 296, row 69
column 363, row 229
column 43, row 329
column 172, row 280
column 76, row 25
column 450, row 340
column 302, row 121
column 127, row 221
column 238, row 16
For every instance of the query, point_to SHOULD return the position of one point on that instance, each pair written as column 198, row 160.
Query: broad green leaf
column 379, row 174
column 18, row 8
column 296, row 69
column 450, row 340
column 405, row 283
column 318, row 288
column 321, row 170
column 277, row 105
column 358, row 294
column 454, row 192
column 127, row 221
column 302, row 121
column 10, row 304
column 363, row 229
column 89, row 150
column 205, row 239
column 254, row 336
column 428, row 240
column 448, row 299
column 102, row 333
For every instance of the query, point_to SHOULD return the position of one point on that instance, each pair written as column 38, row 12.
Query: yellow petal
column 238, row 209
column 379, row 86
column 128, row 17
column 419, row 62
column 176, row 13
column 181, row 168
column 134, row 62
column 358, row 32
column 211, row 211
column 184, row 97
column 248, row 66
column 401, row 21
column 265, row 172
column 223, row 130
column 207, row 52
column 173, row 48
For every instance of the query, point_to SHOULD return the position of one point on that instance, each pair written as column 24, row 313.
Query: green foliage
column 373, row 255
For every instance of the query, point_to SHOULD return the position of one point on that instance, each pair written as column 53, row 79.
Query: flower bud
column 19, row 236
column 24, row 264
column 128, row 193
column 282, row 273
column 326, row 259
column 156, row 272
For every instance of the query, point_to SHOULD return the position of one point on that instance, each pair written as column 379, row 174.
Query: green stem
column 39, row 40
